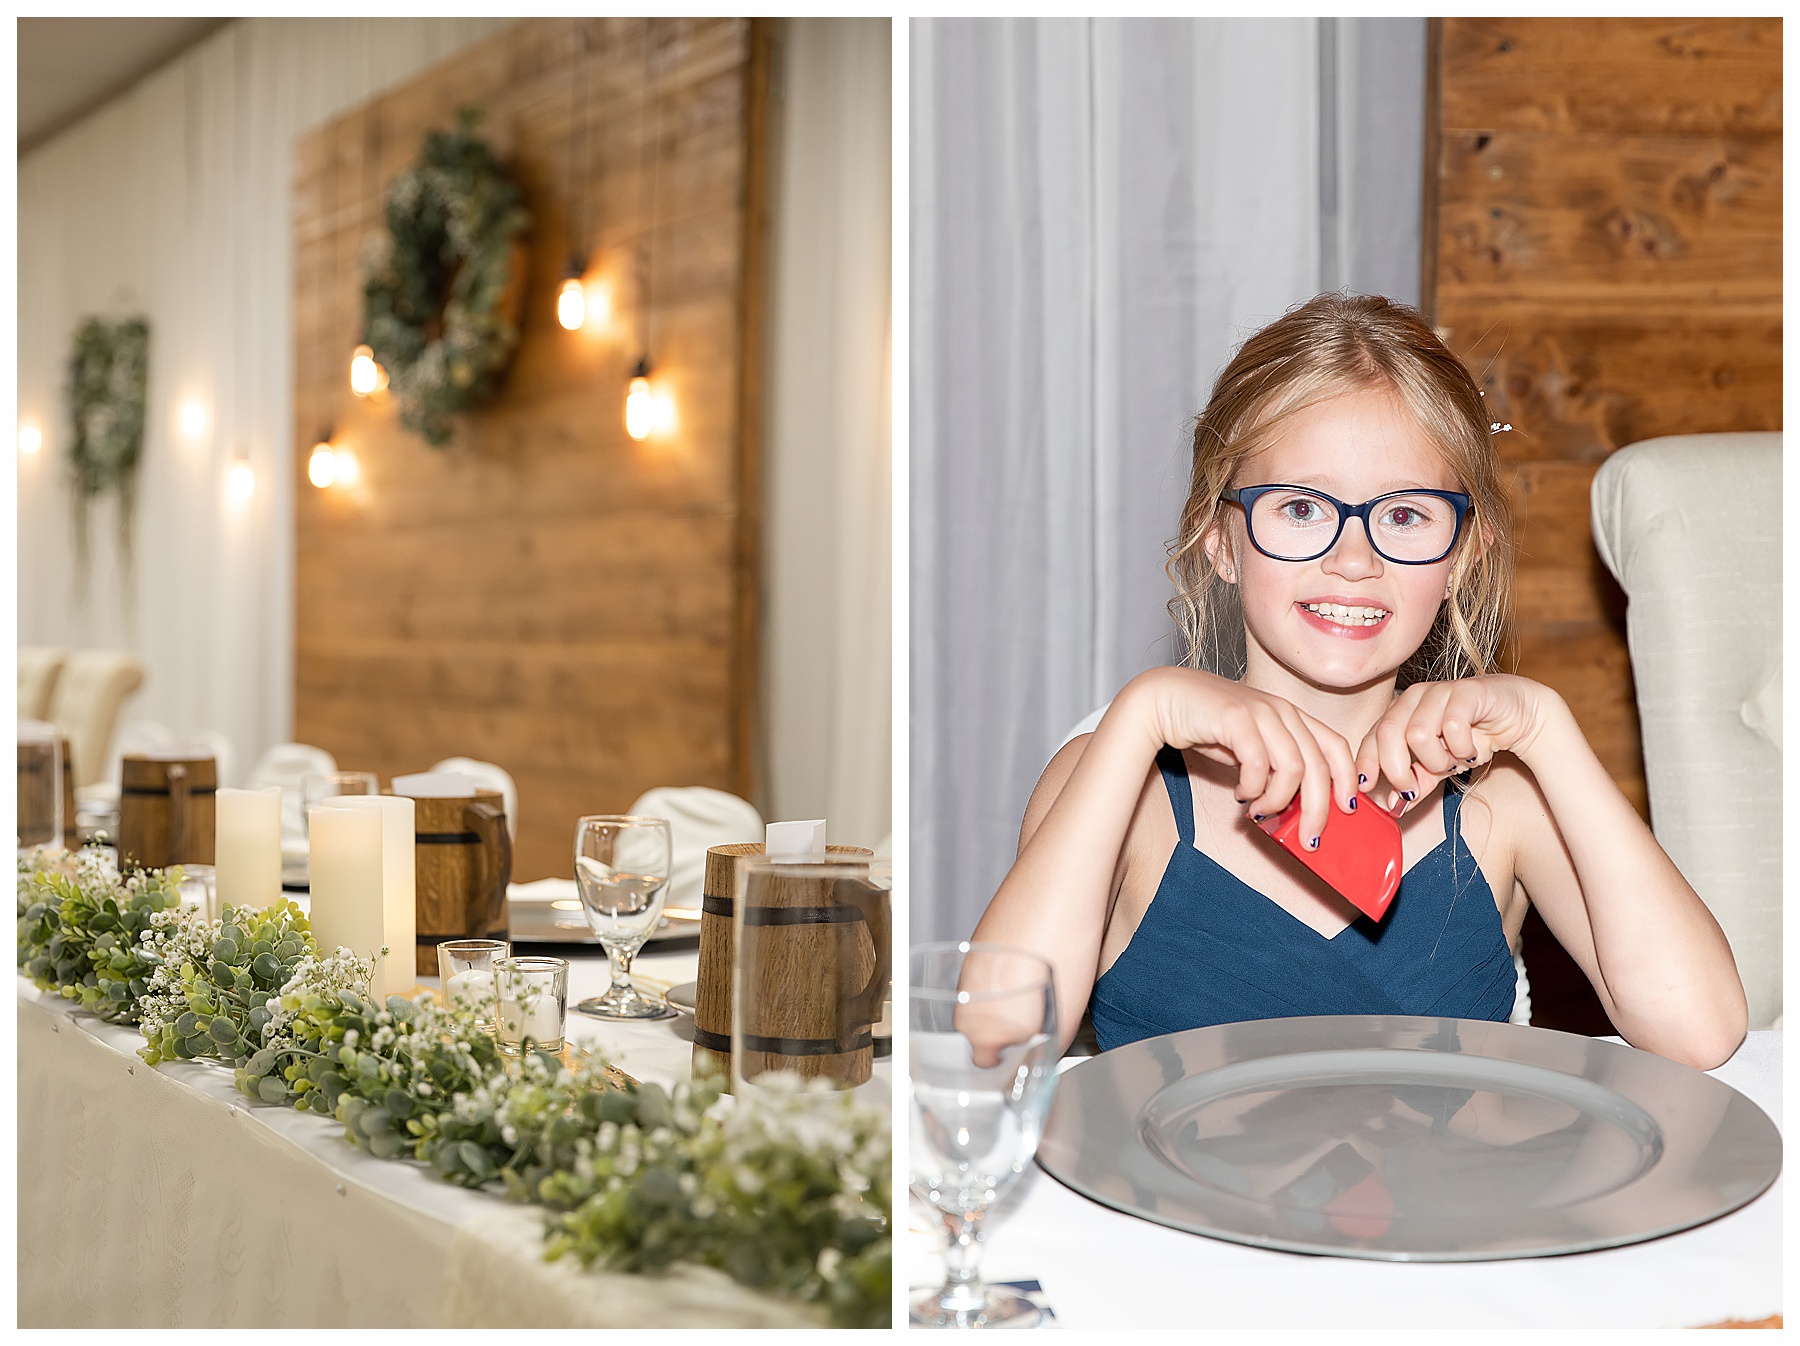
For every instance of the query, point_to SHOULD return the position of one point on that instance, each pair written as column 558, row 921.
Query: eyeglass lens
column 1298, row 525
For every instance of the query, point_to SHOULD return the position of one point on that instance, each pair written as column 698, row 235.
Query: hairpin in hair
column 1494, row 427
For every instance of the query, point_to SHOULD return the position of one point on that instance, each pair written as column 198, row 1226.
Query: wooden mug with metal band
column 462, row 854
column 813, row 958
column 38, row 773
column 166, row 810
column 712, row 990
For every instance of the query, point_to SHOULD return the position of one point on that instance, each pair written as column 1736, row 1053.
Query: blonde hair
column 1334, row 344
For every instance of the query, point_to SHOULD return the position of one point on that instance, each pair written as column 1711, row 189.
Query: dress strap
column 1181, row 791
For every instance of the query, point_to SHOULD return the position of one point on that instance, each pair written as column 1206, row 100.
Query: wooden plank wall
column 545, row 593
column 1603, row 250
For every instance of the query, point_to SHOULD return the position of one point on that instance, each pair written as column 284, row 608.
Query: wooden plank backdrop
column 1603, row 250
column 546, row 593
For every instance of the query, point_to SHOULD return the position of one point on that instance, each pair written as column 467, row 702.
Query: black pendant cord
column 578, row 148
column 647, row 169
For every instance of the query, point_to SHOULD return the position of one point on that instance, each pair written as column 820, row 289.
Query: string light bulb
column 640, row 403
column 31, row 439
column 193, row 418
column 348, row 469
column 571, row 300
column 365, row 375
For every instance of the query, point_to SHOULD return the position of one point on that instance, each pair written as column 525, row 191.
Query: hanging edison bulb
column 346, row 466
column 321, row 464
column 640, row 403
column 365, row 375
column 571, row 299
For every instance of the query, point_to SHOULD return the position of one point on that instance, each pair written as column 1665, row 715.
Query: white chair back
column 39, row 666
column 287, row 765
column 491, row 777
column 85, row 704
column 699, row 817
column 1702, row 571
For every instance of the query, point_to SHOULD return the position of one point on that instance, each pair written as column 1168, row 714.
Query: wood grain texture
column 1603, row 251
column 545, row 593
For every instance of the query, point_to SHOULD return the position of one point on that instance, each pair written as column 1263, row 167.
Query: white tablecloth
column 164, row 1197
column 1101, row 1268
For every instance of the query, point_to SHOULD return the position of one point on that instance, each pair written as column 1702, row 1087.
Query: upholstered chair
column 1691, row 527
column 85, row 705
column 39, row 666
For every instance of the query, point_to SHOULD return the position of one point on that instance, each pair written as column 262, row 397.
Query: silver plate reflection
column 1406, row 1139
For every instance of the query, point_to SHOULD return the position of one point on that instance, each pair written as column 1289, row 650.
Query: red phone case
column 1358, row 855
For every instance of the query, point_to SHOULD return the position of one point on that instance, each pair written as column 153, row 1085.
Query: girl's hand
column 1436, row 729
column 1278, row 748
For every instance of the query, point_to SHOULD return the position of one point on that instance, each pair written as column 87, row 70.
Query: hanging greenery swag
column 108, row 376
column 442, row 283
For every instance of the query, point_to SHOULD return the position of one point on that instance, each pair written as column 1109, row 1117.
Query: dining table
column 164, row 1197
column 1096, row 1267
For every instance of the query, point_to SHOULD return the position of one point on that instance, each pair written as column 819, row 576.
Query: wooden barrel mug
column 463, row 858
column 712, row 992
column 37, row 792
column 166, row 810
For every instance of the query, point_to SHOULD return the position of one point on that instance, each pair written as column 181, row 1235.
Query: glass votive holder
column 200, row 888
column 534, row 997
column 466, row 968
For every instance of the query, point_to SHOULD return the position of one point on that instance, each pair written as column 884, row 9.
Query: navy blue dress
column 1213, row 950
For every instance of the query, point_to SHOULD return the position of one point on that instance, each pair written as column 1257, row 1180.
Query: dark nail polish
column 1313, row 845
column 1362, row 779
column 1353, row 806
column 1409, row 795
column 1469, row 759
column 1256, row 817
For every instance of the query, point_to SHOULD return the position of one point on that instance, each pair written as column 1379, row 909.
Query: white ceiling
column 69, row 67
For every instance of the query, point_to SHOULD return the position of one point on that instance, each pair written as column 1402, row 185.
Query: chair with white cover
column 85, row 705
column 489, row 777
column 288, row 765
column 699, row 818
column 39, row 666
column 1691, row 526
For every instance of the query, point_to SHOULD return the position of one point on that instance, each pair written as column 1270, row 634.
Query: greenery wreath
column 108, row 373
column 440, row 296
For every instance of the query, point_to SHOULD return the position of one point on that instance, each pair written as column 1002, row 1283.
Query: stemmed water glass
column 982, row 1055
column 622, row 871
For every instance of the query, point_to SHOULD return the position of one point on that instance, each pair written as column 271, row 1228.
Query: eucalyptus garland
column 789, row 1191
column 109, row 371
column 435, row 309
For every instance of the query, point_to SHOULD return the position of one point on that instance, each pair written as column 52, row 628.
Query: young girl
column 1347, row 521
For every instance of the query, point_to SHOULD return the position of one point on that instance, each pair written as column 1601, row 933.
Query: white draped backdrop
column 1101, row 211
column 175, row 200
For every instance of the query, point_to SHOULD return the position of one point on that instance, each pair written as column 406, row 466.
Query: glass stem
column 619, row 961
column 963, row 1290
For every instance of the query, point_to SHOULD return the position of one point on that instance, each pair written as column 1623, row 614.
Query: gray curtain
column 1101, row 211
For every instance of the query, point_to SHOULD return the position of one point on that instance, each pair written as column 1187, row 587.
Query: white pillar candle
column 395, row 974
column 474, row 990
column 247, row 846
column 345, row 860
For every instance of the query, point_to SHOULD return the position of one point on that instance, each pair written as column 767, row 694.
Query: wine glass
column 982, row 1055
column 622, row 870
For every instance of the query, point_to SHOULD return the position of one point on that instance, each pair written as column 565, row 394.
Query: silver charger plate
column 1406, row 1139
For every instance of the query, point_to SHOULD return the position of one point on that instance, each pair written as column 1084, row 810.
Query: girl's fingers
column 1315, row 783
column 1424, row 732
column 1340, row 761
column 1462, row 712
column 1287, row 765
column 1396, row 760
column 1242, row 735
